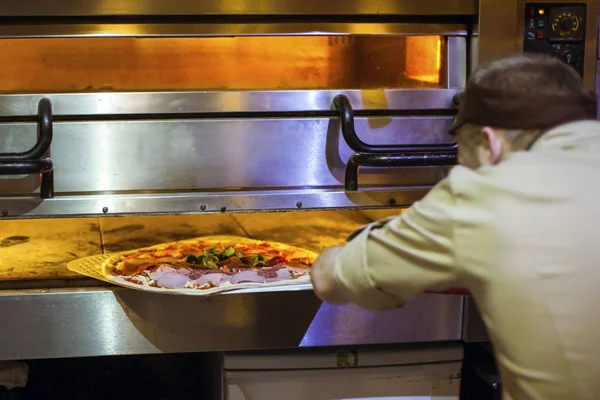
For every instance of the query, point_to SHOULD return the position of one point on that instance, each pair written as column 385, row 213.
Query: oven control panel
column 556, row 29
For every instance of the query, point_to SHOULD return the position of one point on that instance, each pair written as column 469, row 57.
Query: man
column 517, row 224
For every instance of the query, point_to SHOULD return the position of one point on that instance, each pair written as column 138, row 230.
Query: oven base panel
column 112, row 321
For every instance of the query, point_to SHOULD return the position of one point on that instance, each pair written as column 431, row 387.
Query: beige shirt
column 524, row 237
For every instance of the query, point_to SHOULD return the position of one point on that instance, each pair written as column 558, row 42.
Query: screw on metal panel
column 203, row 207
column 392, row 202
column 5, row 213
column 104, row 210
column 223, row 209
column 299, row 204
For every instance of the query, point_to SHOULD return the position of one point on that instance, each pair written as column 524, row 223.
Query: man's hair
column 530, row 73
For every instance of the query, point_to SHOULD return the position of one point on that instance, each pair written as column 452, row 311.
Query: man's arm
column 390, row 262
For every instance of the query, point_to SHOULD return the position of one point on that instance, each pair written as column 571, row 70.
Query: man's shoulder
column 525, row 176
column 462, row 180
column 576, row 137
column 517, row 176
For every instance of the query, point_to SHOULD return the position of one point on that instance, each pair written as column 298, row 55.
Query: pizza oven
column 125, row 124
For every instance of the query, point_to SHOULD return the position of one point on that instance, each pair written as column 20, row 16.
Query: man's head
column 510, row 102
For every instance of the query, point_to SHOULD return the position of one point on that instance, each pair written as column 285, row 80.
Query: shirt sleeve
column 392, row 261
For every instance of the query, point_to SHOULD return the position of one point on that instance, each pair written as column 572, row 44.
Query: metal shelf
column 112, row 321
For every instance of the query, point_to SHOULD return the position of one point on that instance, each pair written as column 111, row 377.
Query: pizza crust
column 110, row 276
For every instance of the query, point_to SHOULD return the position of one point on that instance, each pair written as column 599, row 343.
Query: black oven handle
column 342, row 105
column 26, row 167
column 30, row 161
column 43, row 167
column 394, row 160
column 44, row 135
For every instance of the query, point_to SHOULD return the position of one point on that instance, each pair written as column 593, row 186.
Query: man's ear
column 493, row 142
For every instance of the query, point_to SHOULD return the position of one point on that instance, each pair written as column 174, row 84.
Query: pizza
column 211, row 263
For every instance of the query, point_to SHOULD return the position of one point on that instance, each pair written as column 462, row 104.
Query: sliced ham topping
column 160, row 271
column 281, row 274
column 247, row 276
column 184, row 271
column 172, row 280
column 208, row 279
column 197, row 273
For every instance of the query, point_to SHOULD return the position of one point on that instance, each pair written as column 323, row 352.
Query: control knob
column 567, row 24
column 569, row 56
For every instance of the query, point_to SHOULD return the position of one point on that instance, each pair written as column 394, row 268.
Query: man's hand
column 323, row 278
